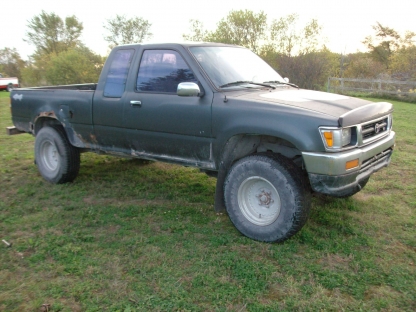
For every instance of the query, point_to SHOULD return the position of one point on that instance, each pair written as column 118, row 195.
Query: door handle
column 136, row 103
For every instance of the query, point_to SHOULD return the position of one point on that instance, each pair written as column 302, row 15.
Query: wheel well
column 245, row 145
column 44, row 122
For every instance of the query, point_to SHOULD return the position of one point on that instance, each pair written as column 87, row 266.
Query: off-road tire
column 267, row 197
column 57, row 160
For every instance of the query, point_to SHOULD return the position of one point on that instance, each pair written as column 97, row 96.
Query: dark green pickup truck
column 219, row 108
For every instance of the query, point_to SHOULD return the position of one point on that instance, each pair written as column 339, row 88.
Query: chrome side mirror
column 188, row 89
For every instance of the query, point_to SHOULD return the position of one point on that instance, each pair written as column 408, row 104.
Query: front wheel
column 266, row 197
column 57, row 160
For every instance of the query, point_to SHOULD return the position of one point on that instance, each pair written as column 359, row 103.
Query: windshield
column 230, row 67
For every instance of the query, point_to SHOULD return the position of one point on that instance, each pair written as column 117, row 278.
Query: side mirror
column 286, row 79
column 189, row 89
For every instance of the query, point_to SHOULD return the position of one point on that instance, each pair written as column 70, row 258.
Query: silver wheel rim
column 49, row 155
column 259, row 201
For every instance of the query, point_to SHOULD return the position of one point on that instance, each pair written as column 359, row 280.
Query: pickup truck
column 219, row 108
column 8, row 83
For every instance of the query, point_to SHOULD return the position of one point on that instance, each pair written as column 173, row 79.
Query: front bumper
column 327, row 172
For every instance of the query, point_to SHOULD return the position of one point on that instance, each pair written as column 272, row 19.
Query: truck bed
column 85, row 86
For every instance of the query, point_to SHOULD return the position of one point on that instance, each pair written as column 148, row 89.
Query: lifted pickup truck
column 219, row 108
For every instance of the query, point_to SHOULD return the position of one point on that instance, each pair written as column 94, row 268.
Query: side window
column 162, row 71
column 117, row 76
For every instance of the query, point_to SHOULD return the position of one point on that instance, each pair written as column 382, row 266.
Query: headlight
column 335, row 138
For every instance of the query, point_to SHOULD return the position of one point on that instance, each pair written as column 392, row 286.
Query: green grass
column 133, row 235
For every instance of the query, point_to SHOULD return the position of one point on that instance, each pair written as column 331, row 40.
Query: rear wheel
column 9, row 87
column 57, row 160
column 266, row 198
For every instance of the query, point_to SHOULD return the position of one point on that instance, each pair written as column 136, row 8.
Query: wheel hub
column 265, row 198
column 49, row 155
column 259, row 201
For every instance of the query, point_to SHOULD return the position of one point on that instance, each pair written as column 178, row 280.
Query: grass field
column 133, row 235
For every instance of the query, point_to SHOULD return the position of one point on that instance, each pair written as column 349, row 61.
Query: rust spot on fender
column 93, row 138
column 87, row 143
column 47, row 114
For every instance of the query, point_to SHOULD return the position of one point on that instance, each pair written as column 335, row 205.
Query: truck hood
column 347, row 109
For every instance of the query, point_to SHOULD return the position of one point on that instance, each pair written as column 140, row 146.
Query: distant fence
column 374, row 86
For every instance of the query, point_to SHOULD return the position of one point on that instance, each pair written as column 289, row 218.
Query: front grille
column 374, row 129
column 375, row 159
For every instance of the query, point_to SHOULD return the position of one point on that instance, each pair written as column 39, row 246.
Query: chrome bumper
column 327, row 173
column 334, row 163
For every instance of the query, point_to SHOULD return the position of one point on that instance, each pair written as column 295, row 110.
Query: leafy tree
column 251, row 30
column 74, row 66
column 309, row 70
column 11, row 64
column 125, row 31
column 403, row 63
column 198, row 33
column 32, row 75
column 363, row 65
column 60, row 56
column 385, row 42
column 287, row 39
column 295, row 52
column 50, row 34
column 242, row 27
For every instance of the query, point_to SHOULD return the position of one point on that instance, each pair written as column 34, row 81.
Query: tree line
column 295, row 51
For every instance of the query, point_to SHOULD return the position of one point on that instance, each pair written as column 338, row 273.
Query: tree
column 309, row 70
column 60, row 56
column 74, row 66
column 125, row 31
column 242, row 27
column 198, row 33
column 11, row 64
column 362, row 65
column 403, row 63
column 50, row 34
column 295, row 52
column 287, row 39
column 385, row 42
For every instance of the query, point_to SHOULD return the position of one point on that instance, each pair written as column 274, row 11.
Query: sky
column 345, row 23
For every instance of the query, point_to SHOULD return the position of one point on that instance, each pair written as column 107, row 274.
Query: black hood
column 347, row 109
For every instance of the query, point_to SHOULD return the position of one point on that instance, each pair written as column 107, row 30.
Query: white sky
column 345, row 23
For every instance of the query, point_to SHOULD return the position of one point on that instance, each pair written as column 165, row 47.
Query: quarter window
column 162, row 71
column 117, row 76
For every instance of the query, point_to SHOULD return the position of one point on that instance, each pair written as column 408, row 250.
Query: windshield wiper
column 235, row 83
column 283, row 83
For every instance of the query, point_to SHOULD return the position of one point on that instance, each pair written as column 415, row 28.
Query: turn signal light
column 329, row 138
column 352, row 164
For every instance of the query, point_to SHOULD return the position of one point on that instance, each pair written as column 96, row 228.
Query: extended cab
column 219, row 108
